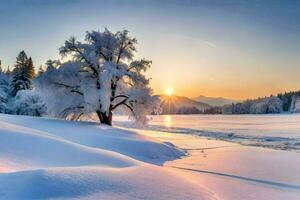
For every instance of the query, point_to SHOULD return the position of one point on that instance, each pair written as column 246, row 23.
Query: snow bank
column 104, row 137
column 43, row 158
column 147, row 182
column 28, row 148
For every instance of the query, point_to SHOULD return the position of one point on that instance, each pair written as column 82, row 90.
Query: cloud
column 207, row 43
column 200, row 41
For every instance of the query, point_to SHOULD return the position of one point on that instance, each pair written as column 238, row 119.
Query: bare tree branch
column 73, row 88
column 67, row 111
column 122, row 103
column 120, row 96
column 130, row 108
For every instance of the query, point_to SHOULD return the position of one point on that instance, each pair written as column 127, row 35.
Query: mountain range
column 214, row 101
column 181, row 105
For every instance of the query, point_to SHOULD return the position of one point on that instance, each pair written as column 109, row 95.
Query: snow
column 233, row 171
column 276, row 131
column 122, row 141
column 55, row 159
column 43, row 158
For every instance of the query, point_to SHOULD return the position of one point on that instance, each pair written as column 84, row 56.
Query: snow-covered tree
column 4, row 92
column 22, row 74
column 270, row 104
column 100, row 76
column 274, row 105
column 28, row 102
column 296, row 106
column 8, row 72
column 41, row 70
column 30, row 68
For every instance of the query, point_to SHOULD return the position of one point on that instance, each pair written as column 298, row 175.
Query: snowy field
column 235, row 172
column 272, row 131
column 55, row 159
column 230, row 170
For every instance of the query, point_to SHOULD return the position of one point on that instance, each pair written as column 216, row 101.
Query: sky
column 234, row 49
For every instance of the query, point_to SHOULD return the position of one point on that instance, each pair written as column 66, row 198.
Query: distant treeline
column 284, row 102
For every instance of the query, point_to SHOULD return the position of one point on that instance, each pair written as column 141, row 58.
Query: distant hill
column 181, row 105
column 214, row 101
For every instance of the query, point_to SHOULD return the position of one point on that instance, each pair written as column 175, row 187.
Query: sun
column 169, row 92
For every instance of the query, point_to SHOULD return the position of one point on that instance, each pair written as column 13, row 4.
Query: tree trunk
column 104, row 118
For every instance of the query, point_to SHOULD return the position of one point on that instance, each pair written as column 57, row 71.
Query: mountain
column 181, row 105
column 214, row 101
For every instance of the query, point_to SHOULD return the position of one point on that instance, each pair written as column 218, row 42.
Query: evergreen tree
column 30, row 68
column 22, row 74
column 4, row 92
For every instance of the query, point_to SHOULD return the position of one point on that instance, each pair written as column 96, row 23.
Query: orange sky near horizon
column 236, row 94
column 247, row 89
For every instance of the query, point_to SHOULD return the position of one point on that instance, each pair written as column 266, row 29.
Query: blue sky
column 236, row 49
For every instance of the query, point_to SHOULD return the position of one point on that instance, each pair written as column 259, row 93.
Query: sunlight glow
column 167, row 120
column 169, row 92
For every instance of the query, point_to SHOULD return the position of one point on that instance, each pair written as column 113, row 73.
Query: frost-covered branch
column 73, row 88
column 120, row 96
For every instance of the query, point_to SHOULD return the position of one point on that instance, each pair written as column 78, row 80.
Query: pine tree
column 4, row 91
column 30, row 68
column 22, row 74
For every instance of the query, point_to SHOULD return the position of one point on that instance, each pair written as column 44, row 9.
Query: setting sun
column 169, row 91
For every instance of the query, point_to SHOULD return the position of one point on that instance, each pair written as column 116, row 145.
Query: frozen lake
column 274, row 131
column 287, row 125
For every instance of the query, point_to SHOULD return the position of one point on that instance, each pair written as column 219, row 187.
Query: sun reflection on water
column 167, row 120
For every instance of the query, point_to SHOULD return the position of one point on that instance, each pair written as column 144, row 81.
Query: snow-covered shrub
column 28, row 102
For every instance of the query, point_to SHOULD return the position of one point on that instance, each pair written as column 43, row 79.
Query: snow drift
column 43, row 158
